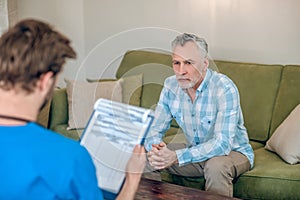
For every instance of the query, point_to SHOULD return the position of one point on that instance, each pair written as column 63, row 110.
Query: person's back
column 39, row 164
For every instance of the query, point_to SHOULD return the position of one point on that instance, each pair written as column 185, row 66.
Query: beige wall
column 66, row 16
column 263, row 31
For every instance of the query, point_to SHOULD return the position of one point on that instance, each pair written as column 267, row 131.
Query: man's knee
column 218, row 167
column 219, row 173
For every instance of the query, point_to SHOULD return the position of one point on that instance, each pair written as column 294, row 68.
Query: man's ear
column 45, row 82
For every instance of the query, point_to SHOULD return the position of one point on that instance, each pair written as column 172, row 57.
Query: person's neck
column 192, row 91
column 17, row 105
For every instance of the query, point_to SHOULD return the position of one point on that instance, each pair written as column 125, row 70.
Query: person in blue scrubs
column 37, row 163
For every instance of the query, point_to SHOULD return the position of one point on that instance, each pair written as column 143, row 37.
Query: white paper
column 110, row 136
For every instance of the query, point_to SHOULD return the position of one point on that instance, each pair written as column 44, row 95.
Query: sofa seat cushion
column 269, row 178
column 256, row 145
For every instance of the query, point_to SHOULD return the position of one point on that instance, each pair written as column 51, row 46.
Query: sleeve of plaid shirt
column 162, row 121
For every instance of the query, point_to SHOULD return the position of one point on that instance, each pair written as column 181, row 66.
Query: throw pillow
column 285, row 141
column 83, row 95
column 132, row 88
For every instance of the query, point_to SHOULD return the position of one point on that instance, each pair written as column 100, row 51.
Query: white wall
column 67, row 17
column 265, row 31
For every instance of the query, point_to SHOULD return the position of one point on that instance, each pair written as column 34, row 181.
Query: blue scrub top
column 36, row 163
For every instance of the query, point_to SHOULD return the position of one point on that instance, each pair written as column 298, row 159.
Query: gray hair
column 186, row 37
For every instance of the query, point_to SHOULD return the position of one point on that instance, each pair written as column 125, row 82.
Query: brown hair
column 28, row 50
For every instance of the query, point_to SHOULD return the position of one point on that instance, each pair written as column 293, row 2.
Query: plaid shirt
column 213, row 125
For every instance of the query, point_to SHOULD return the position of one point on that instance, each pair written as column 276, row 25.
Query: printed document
column 112, row 132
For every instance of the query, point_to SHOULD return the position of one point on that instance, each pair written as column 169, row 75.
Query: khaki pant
column 219, row 172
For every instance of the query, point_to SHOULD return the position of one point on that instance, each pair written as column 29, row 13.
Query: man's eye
column 176, row 63
column 187, row 62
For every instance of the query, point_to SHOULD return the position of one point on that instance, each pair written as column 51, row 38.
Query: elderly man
column 206, row 106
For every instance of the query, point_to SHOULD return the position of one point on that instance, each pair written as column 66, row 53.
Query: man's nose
column 182, row 69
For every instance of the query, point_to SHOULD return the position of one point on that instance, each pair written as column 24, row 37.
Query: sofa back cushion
column 59, row 108
column 288, row 95
column 155, row 67
column 43, row 116
column 258, row 86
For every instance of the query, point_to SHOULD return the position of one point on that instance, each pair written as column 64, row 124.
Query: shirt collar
column 205, row 82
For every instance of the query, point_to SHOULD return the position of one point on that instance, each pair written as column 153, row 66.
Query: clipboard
column 111, row 133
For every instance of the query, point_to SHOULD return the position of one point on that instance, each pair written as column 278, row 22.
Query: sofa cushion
column 155, row 67
column 256, row 145
column 59, row 108
column 82, row 96
column 258, row 85
column 132, row 89
column 43, row 116
column 269, row 179
column 288, row 95
column 285, row 141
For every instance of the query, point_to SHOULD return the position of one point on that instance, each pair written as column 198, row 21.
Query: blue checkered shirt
column 213, row 125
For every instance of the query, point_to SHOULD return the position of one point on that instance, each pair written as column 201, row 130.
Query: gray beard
column 187, row 85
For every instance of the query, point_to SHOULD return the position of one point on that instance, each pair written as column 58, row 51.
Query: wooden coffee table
column 150, row 189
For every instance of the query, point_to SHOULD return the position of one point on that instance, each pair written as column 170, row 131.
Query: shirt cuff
column 184, row 156
column 148, row 143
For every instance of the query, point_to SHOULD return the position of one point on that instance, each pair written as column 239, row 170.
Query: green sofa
column 268, row 94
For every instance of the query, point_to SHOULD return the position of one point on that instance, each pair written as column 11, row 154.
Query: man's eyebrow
column 187, row 60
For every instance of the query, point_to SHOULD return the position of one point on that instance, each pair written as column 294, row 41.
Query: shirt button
column 194, row 130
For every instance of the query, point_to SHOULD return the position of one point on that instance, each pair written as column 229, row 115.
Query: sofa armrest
column 59, row 108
